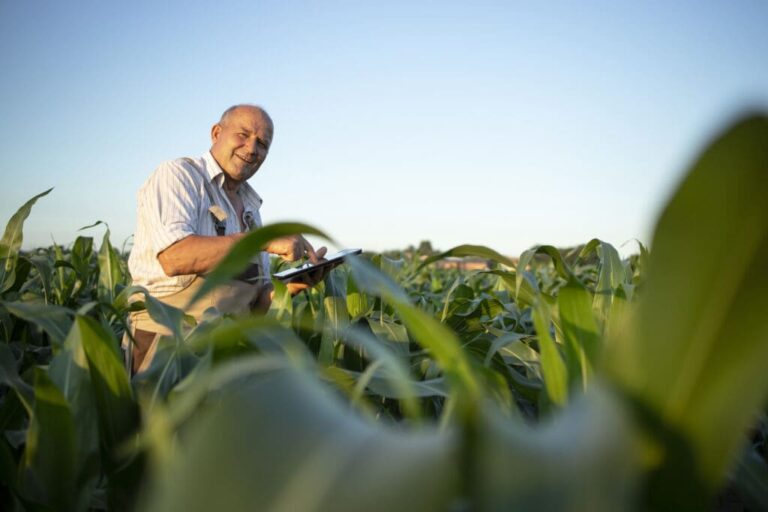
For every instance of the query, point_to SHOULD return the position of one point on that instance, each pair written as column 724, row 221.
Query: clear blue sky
column 498, row 123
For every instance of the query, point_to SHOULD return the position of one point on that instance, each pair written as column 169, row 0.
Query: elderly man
column 190, row 214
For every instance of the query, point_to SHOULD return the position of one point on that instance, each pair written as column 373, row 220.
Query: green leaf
column 55, row 320
column 393, row 334
column 448, row 298
column 117, row 411
column 97, row 223
column 69, row 371
column 281, row 308
column 426, row 330
column 400, row 384
column 246, row 249
column 443, row 345
column 526, row 287
column 553, row 368
column 611, row 276
column 173, row 361
column 168, row 316
column 281, row 442
column 563, row 270
column 16, row 278
column 695, row 352
column 612, row 272
column 12, row 238
column 375, row 282
column 82, row 250
column 582, row 459
column 507, row 340
column 336, row 319
column 45, row 273
column 9, row 376
column 357, row 302
column 580, row 331
column 50, row 454
column 521, row 283
column 110, row 270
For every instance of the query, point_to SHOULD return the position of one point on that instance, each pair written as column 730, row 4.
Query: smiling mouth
column 246, row 160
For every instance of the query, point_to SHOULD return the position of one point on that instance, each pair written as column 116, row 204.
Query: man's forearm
column 196, row 254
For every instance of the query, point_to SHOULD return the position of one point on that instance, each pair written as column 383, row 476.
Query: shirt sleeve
column 170, row 203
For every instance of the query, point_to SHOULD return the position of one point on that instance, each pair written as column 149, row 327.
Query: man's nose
column 251, row 147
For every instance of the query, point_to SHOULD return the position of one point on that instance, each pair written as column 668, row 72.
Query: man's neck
column 230, row 186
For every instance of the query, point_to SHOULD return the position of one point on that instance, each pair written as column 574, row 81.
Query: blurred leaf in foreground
column 694, row 353
column 279, row 442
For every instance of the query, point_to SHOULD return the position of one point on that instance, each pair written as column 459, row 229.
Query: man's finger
column 310, row 251
column 294, row 288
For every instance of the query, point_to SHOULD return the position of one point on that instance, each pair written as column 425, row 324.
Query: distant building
column 468, row 263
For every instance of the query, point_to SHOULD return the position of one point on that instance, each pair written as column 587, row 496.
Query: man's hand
column 306, row 281
column 292, row 248
column 295, row 247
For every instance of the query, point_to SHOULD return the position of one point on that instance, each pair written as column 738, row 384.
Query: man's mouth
column 246, row 160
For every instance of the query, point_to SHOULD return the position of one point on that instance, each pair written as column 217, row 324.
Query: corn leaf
column 69, row 371
column 611, row 276
column 316, row 455
column 110, row 270
column 117, row 411
column 9, row 376
column 695, row 352
column 583, row 459
column 10, row 244
column 553, row 368
column 55, row 320
column 50, row 454
column 335, row 320
column 580, row 331
column 426, row 330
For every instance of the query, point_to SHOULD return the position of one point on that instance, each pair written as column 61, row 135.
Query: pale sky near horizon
column 505, row 124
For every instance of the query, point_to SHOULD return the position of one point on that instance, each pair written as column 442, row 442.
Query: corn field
column 570, row 381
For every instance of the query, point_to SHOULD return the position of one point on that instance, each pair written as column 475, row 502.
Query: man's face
column 241, row 143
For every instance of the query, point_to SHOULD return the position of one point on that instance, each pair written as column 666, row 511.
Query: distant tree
column 425, row 248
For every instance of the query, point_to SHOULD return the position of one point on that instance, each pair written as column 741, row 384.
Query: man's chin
column 242, row 174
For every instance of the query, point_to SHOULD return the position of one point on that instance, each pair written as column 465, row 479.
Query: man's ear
column 215, row 131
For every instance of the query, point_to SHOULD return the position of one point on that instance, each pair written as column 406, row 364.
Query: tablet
column 330, row 261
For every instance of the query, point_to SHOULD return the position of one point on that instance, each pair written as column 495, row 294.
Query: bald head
column 244, row 107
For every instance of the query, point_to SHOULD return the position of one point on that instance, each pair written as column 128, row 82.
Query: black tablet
column 330, row 261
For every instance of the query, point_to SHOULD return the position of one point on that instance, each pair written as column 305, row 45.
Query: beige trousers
column 235, row 297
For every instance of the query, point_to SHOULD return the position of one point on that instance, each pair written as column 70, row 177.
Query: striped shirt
column 172, row 204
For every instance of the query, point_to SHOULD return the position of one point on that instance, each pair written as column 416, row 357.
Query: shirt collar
column 216, row 174
column 212, row 168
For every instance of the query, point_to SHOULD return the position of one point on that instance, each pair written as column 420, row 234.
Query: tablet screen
column 332, row 260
